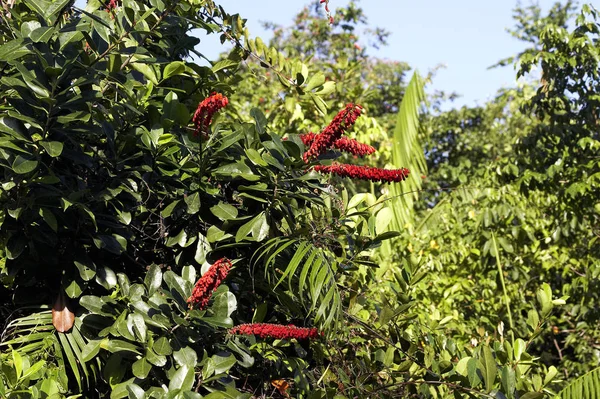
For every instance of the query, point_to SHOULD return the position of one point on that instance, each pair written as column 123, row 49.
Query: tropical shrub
column 168, row 234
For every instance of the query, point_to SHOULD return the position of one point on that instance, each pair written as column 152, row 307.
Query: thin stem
column 506, row 300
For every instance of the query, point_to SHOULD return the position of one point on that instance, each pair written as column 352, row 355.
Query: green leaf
column 13, row 50
column 153, row 279
column 140, row 329
column 489, row 368
column 120, row 391
column 258, row 227
column 193, row 203
column 162, row 346
column 173, row 69
column 141, row 368
column 31, row 371
column 224, row 211
column 169, row 209
column 544, row 297
column 222, row 364
column 182, row 379
column 86, row 271
column 472, row 372
column 53, row 148
column 18, row 363
column 73, row 289
column 508, row 381
column 117, row 345
column 92, row 348
column 22, row 165
column 42, row 34
column 134, row 391
column 49, row 218
column 224, row 64
column 315, row 81
column 383, row 219
column 96, row 305
column 146, row 70
column 106, row 277
column 176, row 284
column 259, row 313
column 186, row 356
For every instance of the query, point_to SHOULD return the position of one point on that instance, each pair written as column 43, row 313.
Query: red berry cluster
column 364, row 172
column 331, row 137
column 343, row 144
column 205, row 111
column 341, row 123
column 277, row 331
column 208, row 283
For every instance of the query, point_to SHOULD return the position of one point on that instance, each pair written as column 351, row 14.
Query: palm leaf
column 34, row 335
column 408, row 153
column 309, row 274
column 585, row 387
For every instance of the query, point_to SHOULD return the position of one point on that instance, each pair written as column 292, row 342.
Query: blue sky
column 466, row 35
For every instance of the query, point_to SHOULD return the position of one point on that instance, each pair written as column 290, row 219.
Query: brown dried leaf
column 62, row 317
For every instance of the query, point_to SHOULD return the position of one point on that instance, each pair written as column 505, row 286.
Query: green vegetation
column 129, row 172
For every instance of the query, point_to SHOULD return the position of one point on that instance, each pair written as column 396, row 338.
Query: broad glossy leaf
column 182, row 379
column 162, row 346
column 23, row 165
column 224, row 211
column 153, row 279
column 141, row 368
column 53, row 148
column 186, row 357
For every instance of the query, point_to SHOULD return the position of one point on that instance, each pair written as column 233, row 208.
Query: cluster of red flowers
column 275, row 331
column 208, row 283
column 343, row 144
column 331, row 137
column 205, row 111
column 364, row 172
column 112, row 4
column 342, row 122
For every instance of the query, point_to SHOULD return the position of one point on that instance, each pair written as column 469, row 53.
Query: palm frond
column 308, row 274
column 585, row 387
column 35, row 336
column 407, row 152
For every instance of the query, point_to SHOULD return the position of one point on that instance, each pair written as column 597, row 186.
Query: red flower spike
column 343, row 144
column 112, row 4
column 208, row 283
column 205, row 111
column 343, row 121
column 276, row 331
column 365, row 172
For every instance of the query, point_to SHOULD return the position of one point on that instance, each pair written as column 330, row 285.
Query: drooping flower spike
column 343, row 121
column 277, row 331
column 208, row 283
column 205, row 111
column 364, row 172
column 343, row 144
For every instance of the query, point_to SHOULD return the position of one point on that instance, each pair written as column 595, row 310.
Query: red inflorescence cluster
column 277, row 331
column 365, row 172
column 208, row 283
column 342, row 122
column 112, row 4
column 343, row 144
column 205, row 111
column 330, row 137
